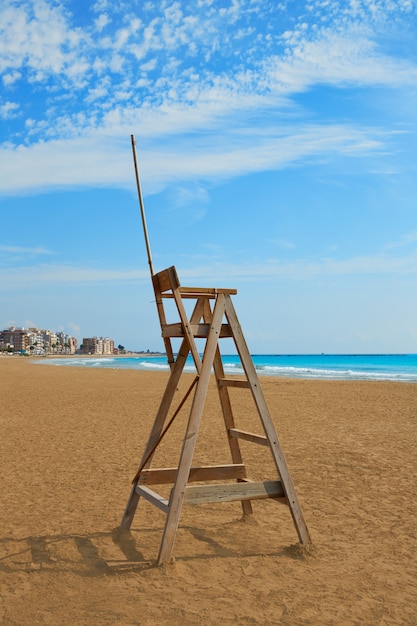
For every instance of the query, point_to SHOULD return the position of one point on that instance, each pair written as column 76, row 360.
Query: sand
column 71, row 442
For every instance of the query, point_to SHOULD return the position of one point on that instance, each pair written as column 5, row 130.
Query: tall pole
column 142, row 208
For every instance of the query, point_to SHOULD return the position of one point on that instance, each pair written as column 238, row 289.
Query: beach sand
column 71, row 441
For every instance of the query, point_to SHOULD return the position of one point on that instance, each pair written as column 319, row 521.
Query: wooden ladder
column 213, row 318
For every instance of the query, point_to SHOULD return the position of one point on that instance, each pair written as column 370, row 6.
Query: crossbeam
column 152, row 497
column 243, row 434
column 166, row 475
column 200, row 494
column 199, row 331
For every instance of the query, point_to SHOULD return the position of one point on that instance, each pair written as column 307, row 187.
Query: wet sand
column 71, row 441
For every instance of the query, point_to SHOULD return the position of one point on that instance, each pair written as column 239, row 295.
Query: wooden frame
column 212, row 319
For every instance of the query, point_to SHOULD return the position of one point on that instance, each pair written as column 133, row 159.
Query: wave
column 342, row 374
column 290, row 371
column 163, row 366
column 337, row 368
column 155, row 366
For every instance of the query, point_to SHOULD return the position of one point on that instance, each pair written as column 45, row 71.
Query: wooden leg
column 268, row 425
column 227, row 412
column 157, row 427
column 177, row 494
column 176, row 371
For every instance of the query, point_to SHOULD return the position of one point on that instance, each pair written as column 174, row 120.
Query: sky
column 276, row 144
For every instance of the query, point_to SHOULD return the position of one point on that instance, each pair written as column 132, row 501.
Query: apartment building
column 65, row 343
column 14, row 339
column 36, row 342
column 97, row 345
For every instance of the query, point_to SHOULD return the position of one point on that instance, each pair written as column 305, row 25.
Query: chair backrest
column 166, row 284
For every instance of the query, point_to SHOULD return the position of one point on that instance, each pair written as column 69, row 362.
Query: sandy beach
column 71, row 441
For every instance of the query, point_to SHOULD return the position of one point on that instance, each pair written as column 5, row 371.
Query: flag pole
column 142, row 208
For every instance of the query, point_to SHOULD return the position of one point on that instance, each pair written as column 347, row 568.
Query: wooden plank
column 190, row 296
column 242, row 434
column 187, row 330
column 157, row 428
column 153, row 498
column 212, row 291
column 158, row 425
column 200, row 292
column 199, row 331
column 162, row 319
column 269, row 428
column 166, row 475
column 190, row 438
column 226, row 408
column 199, row 494
column 233, row 382
column 167, row 279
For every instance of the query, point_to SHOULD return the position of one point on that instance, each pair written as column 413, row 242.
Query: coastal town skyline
column 35, row 341
column 276, row 146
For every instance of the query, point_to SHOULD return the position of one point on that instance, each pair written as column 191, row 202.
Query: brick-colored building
column 97, row 345
column 15, row 339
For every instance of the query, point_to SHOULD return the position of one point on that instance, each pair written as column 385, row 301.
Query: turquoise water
column 394, row 367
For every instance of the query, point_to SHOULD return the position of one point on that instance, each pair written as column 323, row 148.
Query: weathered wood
column 199, row 331
column 153, row 498
column 208, row 323
column 199, row 494
column 160, row 419
column 162, row 319
column 267, row 423
column 242, row 434
column 167, row 279
column 205, row 290
column 233, row 382
column 166, row 475
column 190, row 438
column 226, row 409
column 188, row 334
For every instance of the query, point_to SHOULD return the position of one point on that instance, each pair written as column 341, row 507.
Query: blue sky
column 277, row 152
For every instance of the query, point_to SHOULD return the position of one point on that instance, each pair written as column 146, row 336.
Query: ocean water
column 392, row 367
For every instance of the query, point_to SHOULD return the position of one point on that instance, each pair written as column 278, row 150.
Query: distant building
column 36, row 342
column 97, row 345
column 15, row 339
column 66, row 343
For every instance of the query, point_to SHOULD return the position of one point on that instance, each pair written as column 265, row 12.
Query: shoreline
column 393, row 368
column 85, row 356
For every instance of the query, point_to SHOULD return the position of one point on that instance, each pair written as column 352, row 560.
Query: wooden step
column 199, row 494
column 166, row 475
column 153, row 497
column 200, row 331
column 243, row 434
column 233, row 382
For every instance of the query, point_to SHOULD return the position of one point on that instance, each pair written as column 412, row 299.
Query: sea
column 388, row 367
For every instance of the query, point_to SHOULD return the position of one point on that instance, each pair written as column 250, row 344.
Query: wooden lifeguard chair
column 212, row 319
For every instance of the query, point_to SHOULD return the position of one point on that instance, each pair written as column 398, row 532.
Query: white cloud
column 103, row 158
column 10, row 78
column 36, row 35
column 49, row 274
column 101, row 21
column 299, row 269
column 334, row 58
column 74, row 328
column 184, row 196
column 19, row 250
column 283, row 243
column 8, row 110
column 405, row 240
column 95, row 89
